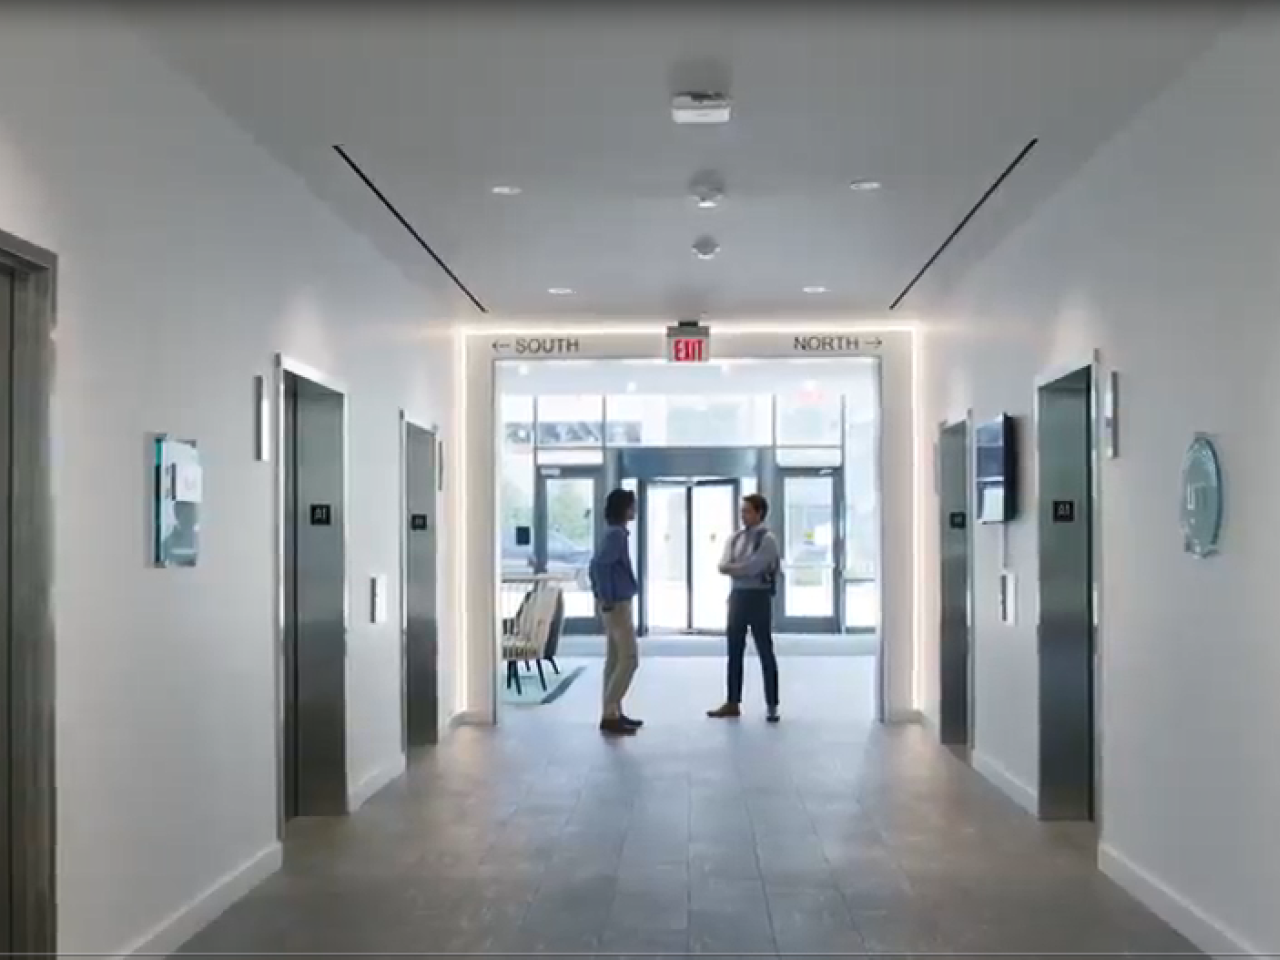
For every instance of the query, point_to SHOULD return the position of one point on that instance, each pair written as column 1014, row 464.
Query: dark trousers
column 752, row 610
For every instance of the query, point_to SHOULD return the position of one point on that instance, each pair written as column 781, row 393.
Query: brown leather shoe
column 616, row 727
column 729, row 711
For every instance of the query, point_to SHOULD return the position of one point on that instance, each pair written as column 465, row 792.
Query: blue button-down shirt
column 612, row 579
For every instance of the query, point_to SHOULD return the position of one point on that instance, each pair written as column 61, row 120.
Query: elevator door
column 315, row 595
column 421, row 625
column 7, row 838
column 1064, row 440
column 954, row 654
column 28, row 812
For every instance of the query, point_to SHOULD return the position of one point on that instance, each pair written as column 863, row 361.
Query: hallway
column 825, row 834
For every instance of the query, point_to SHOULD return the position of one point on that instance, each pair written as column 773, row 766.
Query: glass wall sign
column 1202, row 498
column 179, row 490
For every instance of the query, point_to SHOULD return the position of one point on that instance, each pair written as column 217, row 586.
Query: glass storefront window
column 809, row 419
column 570, row 421
column 862, row 503
column 677, row 420
column 515, row 496
column 808, row 456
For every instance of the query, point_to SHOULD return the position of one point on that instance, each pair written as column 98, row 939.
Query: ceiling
column 571, row 103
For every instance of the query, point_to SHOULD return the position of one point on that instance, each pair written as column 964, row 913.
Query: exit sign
column 688, row 343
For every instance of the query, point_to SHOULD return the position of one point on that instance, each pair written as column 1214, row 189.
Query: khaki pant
column 621, row 655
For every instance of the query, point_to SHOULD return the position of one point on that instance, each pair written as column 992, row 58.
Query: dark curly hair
column 618, row 504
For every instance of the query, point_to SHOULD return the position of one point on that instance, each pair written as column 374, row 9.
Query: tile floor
column 824, row 835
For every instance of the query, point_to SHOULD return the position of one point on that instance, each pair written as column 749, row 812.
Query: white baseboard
column 907, row 716
column 373, row 782
column 188, row 920
column 1023, row 794
column 1174, row 909
column 469, row 718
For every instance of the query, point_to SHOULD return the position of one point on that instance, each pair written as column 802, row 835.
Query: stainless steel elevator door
column 421, row 659
column 7, row 840
column 954, row 652
column 315, row 600
column 1066, row 636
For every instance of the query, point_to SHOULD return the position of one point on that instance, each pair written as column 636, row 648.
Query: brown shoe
column 616, row 727
column 729, row 711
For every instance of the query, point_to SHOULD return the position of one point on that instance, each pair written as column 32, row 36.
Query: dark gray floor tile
column 825, row 835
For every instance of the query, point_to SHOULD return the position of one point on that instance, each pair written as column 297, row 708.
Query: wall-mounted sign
column 179, row 490
column 957, row 520
column 537, row 346
column 1202, row 498
column 1110, row 415
column 835, row 344
column 688, row 343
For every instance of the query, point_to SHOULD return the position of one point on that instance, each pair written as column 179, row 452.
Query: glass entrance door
column 567, row 524
column 685, row 525
column 665, row 516
column 713, row 505
column 811, row 550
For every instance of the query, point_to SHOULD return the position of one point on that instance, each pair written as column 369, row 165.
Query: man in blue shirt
column 613, row 582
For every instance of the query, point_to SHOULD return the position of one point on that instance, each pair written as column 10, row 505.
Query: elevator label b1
column 321, row 515
column 1064, row 511
column 958, row 520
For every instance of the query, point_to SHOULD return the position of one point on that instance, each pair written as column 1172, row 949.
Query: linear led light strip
column 464, row 332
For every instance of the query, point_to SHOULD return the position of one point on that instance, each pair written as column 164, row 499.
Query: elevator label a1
column 1064, row 511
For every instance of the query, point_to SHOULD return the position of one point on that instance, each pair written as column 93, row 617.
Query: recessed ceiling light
column 505, row 190
column 631, row 387
column 560, row 291
column 816, row 289
column 863, row 186
column 523, row 369
column 705, row 248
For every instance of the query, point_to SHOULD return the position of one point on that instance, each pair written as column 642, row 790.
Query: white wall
column 902, row 488
column 188, row 259
column 1164, row 253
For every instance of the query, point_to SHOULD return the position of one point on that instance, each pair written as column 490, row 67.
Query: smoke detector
column 705, row 248
column 701, row 108
column 707, row 191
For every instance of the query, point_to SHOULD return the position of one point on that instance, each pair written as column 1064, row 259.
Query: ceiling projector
column 701, row 108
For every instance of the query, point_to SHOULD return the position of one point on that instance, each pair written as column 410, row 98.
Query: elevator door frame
column 955, row 558
column 1055, row 808
column 28, row 805
column 420, row 642
column 285, row 367
column 642, row 553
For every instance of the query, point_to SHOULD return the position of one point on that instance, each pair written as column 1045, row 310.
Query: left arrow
column 500, row 345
